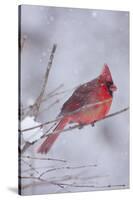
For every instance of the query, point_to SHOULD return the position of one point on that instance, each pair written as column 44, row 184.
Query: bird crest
column 106, row 74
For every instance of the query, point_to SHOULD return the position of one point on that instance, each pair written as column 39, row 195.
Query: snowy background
column 86, row 39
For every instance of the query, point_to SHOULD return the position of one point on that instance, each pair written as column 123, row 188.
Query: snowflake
column 94, row 14
column 76, row 71
column 44, row 54
column 40, row 60
column 51, row 18
column 42, row 8
column 47, row 22
column 70, row 9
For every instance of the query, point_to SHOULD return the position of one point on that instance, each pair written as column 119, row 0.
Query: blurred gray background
column 86, row 39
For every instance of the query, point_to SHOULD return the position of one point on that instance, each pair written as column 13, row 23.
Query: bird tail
column 47, row 144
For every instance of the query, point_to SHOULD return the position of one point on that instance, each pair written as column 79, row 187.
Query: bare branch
column 27, row 145
column 53, row 168
column 34, row 109
column 71, row 184
column 55, row 90
column 67, row 167
column 42, row 180
column 26, row 109
column 37, row 158
column 108, row 116
column 30, row 166
column 58, row 93
column 50, row 106
column 91, row 186
column 77, row 126
column 39, row 99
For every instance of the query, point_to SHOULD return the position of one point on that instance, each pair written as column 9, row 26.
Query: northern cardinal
column 89, row 102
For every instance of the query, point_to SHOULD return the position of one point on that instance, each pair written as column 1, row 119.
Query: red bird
column 89, row 102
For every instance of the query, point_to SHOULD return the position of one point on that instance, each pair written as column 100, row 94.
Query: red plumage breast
column 96, row 110
column 91, row 114
column 90, row 102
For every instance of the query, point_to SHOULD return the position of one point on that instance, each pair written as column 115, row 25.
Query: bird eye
column 109, row 83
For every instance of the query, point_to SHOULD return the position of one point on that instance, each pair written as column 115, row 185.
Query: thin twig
column 27, row 145
column 79, row 178
column 66, row 167
column 91, row 186
column 30, row 166
column 59, row 118
column 72, row 184
column 58, row 93
column 47, row 95
column 39, row 99
column 34, row 109
column 37, row 158
column 55, row 90
column 42, row 180
column 51, row 168
column 50, row 106
column 108, row 116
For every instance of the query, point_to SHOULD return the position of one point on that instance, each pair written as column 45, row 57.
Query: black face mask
column 109, row 84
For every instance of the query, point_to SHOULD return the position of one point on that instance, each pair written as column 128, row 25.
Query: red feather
column 46, row 145
column 89, row 103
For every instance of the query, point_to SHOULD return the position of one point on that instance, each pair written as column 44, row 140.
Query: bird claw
column 93, row 124
column 80, row 126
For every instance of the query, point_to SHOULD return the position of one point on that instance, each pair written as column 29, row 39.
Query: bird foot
column 93, row 124
column 81, row 126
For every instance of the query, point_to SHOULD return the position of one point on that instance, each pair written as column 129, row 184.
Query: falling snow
column 94, row 14
column 94, row 37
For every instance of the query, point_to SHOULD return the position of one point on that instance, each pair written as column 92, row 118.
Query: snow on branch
column 77, row 126
column 28, row 144
column 37, row 131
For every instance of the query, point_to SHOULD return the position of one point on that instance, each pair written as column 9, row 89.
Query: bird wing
column 83, row 95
